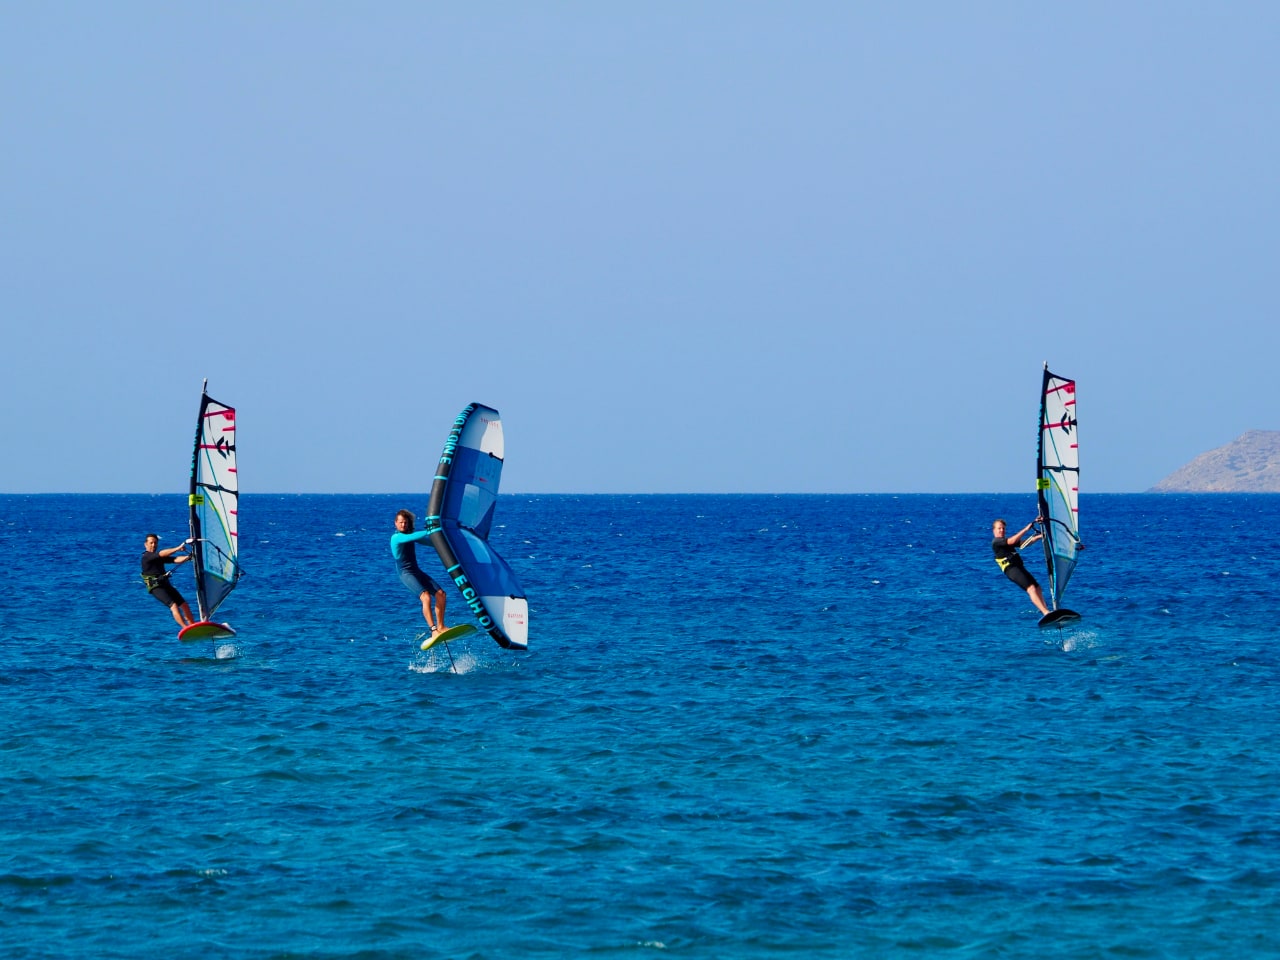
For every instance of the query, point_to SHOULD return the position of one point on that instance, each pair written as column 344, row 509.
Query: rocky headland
column 1248, row 464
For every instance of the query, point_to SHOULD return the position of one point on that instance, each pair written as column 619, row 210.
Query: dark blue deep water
column 746, row 726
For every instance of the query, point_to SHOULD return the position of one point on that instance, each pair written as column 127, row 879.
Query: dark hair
column 151, row 536
column 408, row 515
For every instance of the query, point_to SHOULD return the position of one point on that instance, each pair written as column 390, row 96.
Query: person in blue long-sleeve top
column 404, row 549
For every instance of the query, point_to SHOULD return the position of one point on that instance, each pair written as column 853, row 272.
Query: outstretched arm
column 167, row 554
column 1016, row 539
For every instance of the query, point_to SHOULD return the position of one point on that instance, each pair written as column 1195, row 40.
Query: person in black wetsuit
column 404, row 551
column 156, row 577
column 1008, row 559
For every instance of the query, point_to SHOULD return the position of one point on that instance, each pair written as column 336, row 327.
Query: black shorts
column 418, row 582
column 1021, row 576
column 167, row 595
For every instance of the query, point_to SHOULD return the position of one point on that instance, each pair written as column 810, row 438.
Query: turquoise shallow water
column 747, row 726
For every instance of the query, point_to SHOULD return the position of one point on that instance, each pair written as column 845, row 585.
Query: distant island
column 1248, row 464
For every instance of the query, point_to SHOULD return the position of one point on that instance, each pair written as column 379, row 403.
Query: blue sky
column 817, row 247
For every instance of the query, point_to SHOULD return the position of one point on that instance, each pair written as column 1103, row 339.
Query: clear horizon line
column 625, row 493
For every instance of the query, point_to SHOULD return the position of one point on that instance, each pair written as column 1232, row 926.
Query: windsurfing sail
column 1058, row 480
column 214, row 502
column 464, row 493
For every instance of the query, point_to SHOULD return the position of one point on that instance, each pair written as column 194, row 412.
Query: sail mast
column 194, row 501
column 1058, row 479
column 214, row 504
column 1042, row 485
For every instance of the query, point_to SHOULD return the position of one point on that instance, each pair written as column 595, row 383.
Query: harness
column 153, row 581
column 1012, row 559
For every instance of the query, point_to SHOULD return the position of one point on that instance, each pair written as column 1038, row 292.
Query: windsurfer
column 1006, row 550
column 404, row 550
column 156, row 577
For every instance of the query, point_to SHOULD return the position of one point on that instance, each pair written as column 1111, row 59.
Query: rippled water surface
column 746, row 726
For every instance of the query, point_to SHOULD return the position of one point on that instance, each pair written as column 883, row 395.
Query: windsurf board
column 1058, row 617
column 452, row 633
column 205, row 630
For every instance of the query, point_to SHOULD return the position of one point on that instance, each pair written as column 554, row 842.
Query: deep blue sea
column 745, row 727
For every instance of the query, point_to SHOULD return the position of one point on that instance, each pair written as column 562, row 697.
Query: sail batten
column 464, row 493
column 213, row 503
column 1058, row 480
